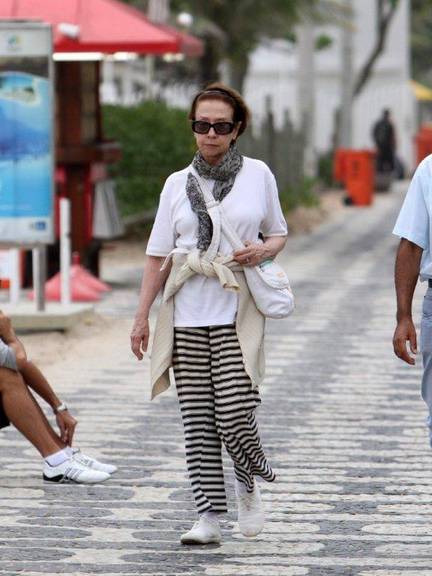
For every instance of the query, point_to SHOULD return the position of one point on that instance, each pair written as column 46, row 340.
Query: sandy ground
column 85, row 339
column 303, row 220
column 89, row 338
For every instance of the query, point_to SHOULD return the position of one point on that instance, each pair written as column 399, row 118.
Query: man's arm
column 8, row 336
column 36, row 381
column 407, row 270
column 34, row 378
column 31, row 374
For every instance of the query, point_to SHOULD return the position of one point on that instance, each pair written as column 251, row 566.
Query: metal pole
column 39, row 276
column 306, row 93
column 345, row 136
column 158, row 10
column 15, row 277
column 65, row 251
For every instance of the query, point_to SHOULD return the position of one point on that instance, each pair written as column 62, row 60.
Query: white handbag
column 267, row 282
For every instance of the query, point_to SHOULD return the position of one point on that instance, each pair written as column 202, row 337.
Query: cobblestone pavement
column 341, row 421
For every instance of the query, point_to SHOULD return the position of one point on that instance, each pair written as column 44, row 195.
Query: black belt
column 430, row 283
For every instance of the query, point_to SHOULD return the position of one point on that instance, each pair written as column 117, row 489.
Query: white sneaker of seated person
column 250, row 509
column 206, row 530
column 72, row 471
column 92, row 463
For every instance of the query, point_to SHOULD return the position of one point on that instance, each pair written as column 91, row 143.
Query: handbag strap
column 220, row 219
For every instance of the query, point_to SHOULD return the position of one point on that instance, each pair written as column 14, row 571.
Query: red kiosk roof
column 103, row 26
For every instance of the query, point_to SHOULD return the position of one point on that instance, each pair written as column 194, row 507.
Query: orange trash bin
column 360, row 176
column 339, row 164
column 423, row 142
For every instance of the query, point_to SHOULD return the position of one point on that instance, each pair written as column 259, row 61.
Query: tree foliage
column 241, row 25
column 244, row 24
column 421, row 40
column 232, row 30
column 156, row 140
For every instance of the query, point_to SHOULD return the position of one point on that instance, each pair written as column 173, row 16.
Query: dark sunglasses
column 221, row 128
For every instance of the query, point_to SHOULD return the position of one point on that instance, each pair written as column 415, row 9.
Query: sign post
column 26, row 139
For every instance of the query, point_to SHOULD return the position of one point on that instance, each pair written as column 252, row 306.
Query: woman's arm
column 254, row 254
column 152, row 282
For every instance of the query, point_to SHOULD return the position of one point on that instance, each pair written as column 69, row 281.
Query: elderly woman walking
column 209, row 329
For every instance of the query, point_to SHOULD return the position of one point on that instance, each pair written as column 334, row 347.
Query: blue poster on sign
column 26, row 154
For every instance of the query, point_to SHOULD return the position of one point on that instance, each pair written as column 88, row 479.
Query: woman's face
column 214, row 146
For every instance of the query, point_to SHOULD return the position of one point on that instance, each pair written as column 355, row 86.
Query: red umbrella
column 106, row 26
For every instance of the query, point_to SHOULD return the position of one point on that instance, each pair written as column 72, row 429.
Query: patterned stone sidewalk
column 341, row 420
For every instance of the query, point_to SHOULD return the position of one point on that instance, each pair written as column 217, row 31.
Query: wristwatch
column 60, row 408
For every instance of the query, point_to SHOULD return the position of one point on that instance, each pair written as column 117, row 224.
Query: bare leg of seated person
column 34, row 378
column 25, row 414
column 20, row 408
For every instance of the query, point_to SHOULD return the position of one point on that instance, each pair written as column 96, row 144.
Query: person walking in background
column 62, row 463
column 211, row 335
column 414, row 259
column 384, row 136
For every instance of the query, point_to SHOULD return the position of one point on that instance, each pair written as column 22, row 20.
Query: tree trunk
column 237, row 72
column 158, row 10
column 383, row 27
column 209, row 64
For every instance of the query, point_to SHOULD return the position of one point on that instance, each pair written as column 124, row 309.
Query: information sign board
column 26, row 133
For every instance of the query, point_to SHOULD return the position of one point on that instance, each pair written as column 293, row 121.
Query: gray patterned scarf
column 224, row 175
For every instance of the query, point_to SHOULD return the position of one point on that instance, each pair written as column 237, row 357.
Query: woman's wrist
column 268, row 252
column 142, row 316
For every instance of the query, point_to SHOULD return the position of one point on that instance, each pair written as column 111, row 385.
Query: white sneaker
column 204, row 531
column 73, row 471
column 92, row 462
column 250, row 510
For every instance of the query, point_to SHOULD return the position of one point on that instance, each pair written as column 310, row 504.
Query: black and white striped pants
column 218, row 406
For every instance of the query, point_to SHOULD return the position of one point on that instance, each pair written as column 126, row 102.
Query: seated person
column 62, row 463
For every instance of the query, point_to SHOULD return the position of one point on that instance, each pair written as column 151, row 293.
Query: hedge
column 156, row 141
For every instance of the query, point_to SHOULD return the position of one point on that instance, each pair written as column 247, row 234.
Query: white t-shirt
column 415, row 218
column 252, row 206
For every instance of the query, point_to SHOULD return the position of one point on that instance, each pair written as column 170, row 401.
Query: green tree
column 156, row 141
column 241, row 25
column 140, row 4
column 233, row 29
column 421, row 40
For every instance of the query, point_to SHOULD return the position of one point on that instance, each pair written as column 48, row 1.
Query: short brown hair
column 219, row 91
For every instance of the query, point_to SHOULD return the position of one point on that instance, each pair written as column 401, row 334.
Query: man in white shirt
column 414, row 259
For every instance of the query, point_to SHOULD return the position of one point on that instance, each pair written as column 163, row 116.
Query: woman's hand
column 252, row 255
column 67, row 425
column 140, row 337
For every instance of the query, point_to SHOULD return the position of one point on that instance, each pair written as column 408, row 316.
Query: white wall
column 273, row 72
